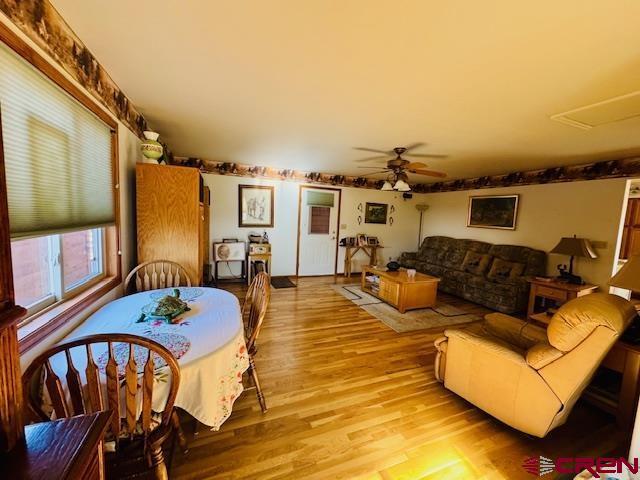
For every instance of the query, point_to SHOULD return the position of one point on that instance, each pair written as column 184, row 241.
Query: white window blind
column 57, row 155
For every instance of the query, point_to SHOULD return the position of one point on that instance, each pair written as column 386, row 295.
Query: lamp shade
column 402, row 186
column 575, row 247
column 387, row 186
column 628, row 277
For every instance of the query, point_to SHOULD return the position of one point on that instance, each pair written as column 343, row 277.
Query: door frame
column 339, row 190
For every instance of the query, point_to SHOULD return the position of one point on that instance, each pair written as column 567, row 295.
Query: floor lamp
column 421, row 207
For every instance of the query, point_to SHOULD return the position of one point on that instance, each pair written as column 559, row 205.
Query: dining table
column 207, row 340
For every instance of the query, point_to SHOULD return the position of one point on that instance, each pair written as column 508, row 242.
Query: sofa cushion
column 430, row 255
column 541, row 355
column 503, row 271
column 535, row 260
column 476, row 263
column 576, row 319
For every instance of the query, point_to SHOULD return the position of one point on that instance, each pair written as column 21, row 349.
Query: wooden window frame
column 61, row 312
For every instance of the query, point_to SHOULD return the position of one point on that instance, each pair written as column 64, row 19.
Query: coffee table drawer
column 389, row 291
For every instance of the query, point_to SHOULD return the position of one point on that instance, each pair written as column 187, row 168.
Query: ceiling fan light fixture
column 402, row 186
column 387, row 186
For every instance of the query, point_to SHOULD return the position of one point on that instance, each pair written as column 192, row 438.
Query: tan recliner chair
column 525, row 376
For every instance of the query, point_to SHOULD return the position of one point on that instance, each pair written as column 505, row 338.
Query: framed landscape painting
column 493, row 211
column 375, row 213
column 255, row 206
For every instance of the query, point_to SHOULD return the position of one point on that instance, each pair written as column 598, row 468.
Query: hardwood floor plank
column 350, row 398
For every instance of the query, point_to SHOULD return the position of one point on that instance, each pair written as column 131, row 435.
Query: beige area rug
column 442, row 315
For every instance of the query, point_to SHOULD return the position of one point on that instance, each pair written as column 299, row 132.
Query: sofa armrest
column 408, row 259
column 489, row 345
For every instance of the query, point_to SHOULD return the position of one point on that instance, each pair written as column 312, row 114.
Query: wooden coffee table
column 399, row 290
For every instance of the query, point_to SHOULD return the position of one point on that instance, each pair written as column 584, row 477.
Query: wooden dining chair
column 254, row 310
column 156, row 274
column 143, row 363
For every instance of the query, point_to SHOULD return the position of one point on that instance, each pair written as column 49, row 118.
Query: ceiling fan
column 398, row 166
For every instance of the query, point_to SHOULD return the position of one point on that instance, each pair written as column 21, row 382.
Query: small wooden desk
column 623, row 358
column 69, row 448
column 370, row 250
column 559, row 292
column 399, row 290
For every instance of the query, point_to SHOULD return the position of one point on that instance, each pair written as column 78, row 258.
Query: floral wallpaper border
column 627, row 167
column 41, row 22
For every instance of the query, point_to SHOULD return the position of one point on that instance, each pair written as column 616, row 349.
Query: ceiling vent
column 608, row 111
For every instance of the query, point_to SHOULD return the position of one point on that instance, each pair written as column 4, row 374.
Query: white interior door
column 318, row 231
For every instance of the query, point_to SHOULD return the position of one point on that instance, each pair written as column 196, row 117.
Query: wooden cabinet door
column 631, row 233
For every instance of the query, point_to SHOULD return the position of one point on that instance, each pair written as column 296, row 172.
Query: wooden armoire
column 172, row 207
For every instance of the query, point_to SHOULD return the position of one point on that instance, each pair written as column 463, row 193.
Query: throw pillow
column 503, row 271
column 475, row 262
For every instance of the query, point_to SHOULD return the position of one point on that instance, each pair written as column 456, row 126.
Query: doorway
column 318, row 222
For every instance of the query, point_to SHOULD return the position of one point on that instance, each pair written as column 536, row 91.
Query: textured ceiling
column 297, row 84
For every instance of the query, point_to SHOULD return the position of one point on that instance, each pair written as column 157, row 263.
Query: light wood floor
column 350, row 398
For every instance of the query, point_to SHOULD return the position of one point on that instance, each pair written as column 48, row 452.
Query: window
column 52, row 268
column 61, row 167
column 320, row 220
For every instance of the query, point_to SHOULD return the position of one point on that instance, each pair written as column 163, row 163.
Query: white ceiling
column 298, row 83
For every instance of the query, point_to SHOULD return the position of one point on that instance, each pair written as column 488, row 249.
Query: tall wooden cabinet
column 172, row 206
column 631, row 233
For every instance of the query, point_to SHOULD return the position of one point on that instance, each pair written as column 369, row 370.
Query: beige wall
column 399, row 237
column 589, row 209
column 128, row 152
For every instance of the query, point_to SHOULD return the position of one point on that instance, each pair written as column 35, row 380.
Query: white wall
column 589, row 209
column 399, row 237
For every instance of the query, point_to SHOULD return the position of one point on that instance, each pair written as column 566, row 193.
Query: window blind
column 57, row 155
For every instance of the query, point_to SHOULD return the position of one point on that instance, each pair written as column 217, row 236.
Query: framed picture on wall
column 375, row 213
column 493, row 211
column 255, row 206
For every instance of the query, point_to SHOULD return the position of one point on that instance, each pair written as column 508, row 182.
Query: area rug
column 282, row 282
column 442, row 315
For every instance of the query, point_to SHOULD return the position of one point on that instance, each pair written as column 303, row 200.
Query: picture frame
column 255, row 206
column 376, row 213
column 361, row 240
column 493, row 211
column 372, row 241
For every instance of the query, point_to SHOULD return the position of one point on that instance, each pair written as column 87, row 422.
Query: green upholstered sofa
column 490, row 275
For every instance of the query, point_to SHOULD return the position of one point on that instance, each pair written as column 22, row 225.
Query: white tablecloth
column 210, row 370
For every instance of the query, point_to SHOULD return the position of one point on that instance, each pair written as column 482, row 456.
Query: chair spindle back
column 156, row 274
column 255, row 307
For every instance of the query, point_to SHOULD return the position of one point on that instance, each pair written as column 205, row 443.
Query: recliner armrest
column 542, row 354
column 490, row 345
column 513, row 330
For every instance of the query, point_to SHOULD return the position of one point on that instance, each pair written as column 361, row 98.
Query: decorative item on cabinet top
column 151, row 147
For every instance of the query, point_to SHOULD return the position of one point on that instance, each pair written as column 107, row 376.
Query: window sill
column 32, row 333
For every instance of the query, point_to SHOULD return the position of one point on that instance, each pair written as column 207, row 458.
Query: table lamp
column 574, row 247
column 628, row 277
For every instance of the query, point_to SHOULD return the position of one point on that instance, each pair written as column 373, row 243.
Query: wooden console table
column 370, row 250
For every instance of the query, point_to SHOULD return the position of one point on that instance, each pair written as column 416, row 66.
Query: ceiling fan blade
column 365, row 149
column 374, row 173
column 378, row 168
column 413, row 146
column 429, row 173
column 417, row 165
column 425, row 155
column 369, row 159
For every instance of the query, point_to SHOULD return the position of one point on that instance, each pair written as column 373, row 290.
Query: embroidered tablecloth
column 208, row 339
